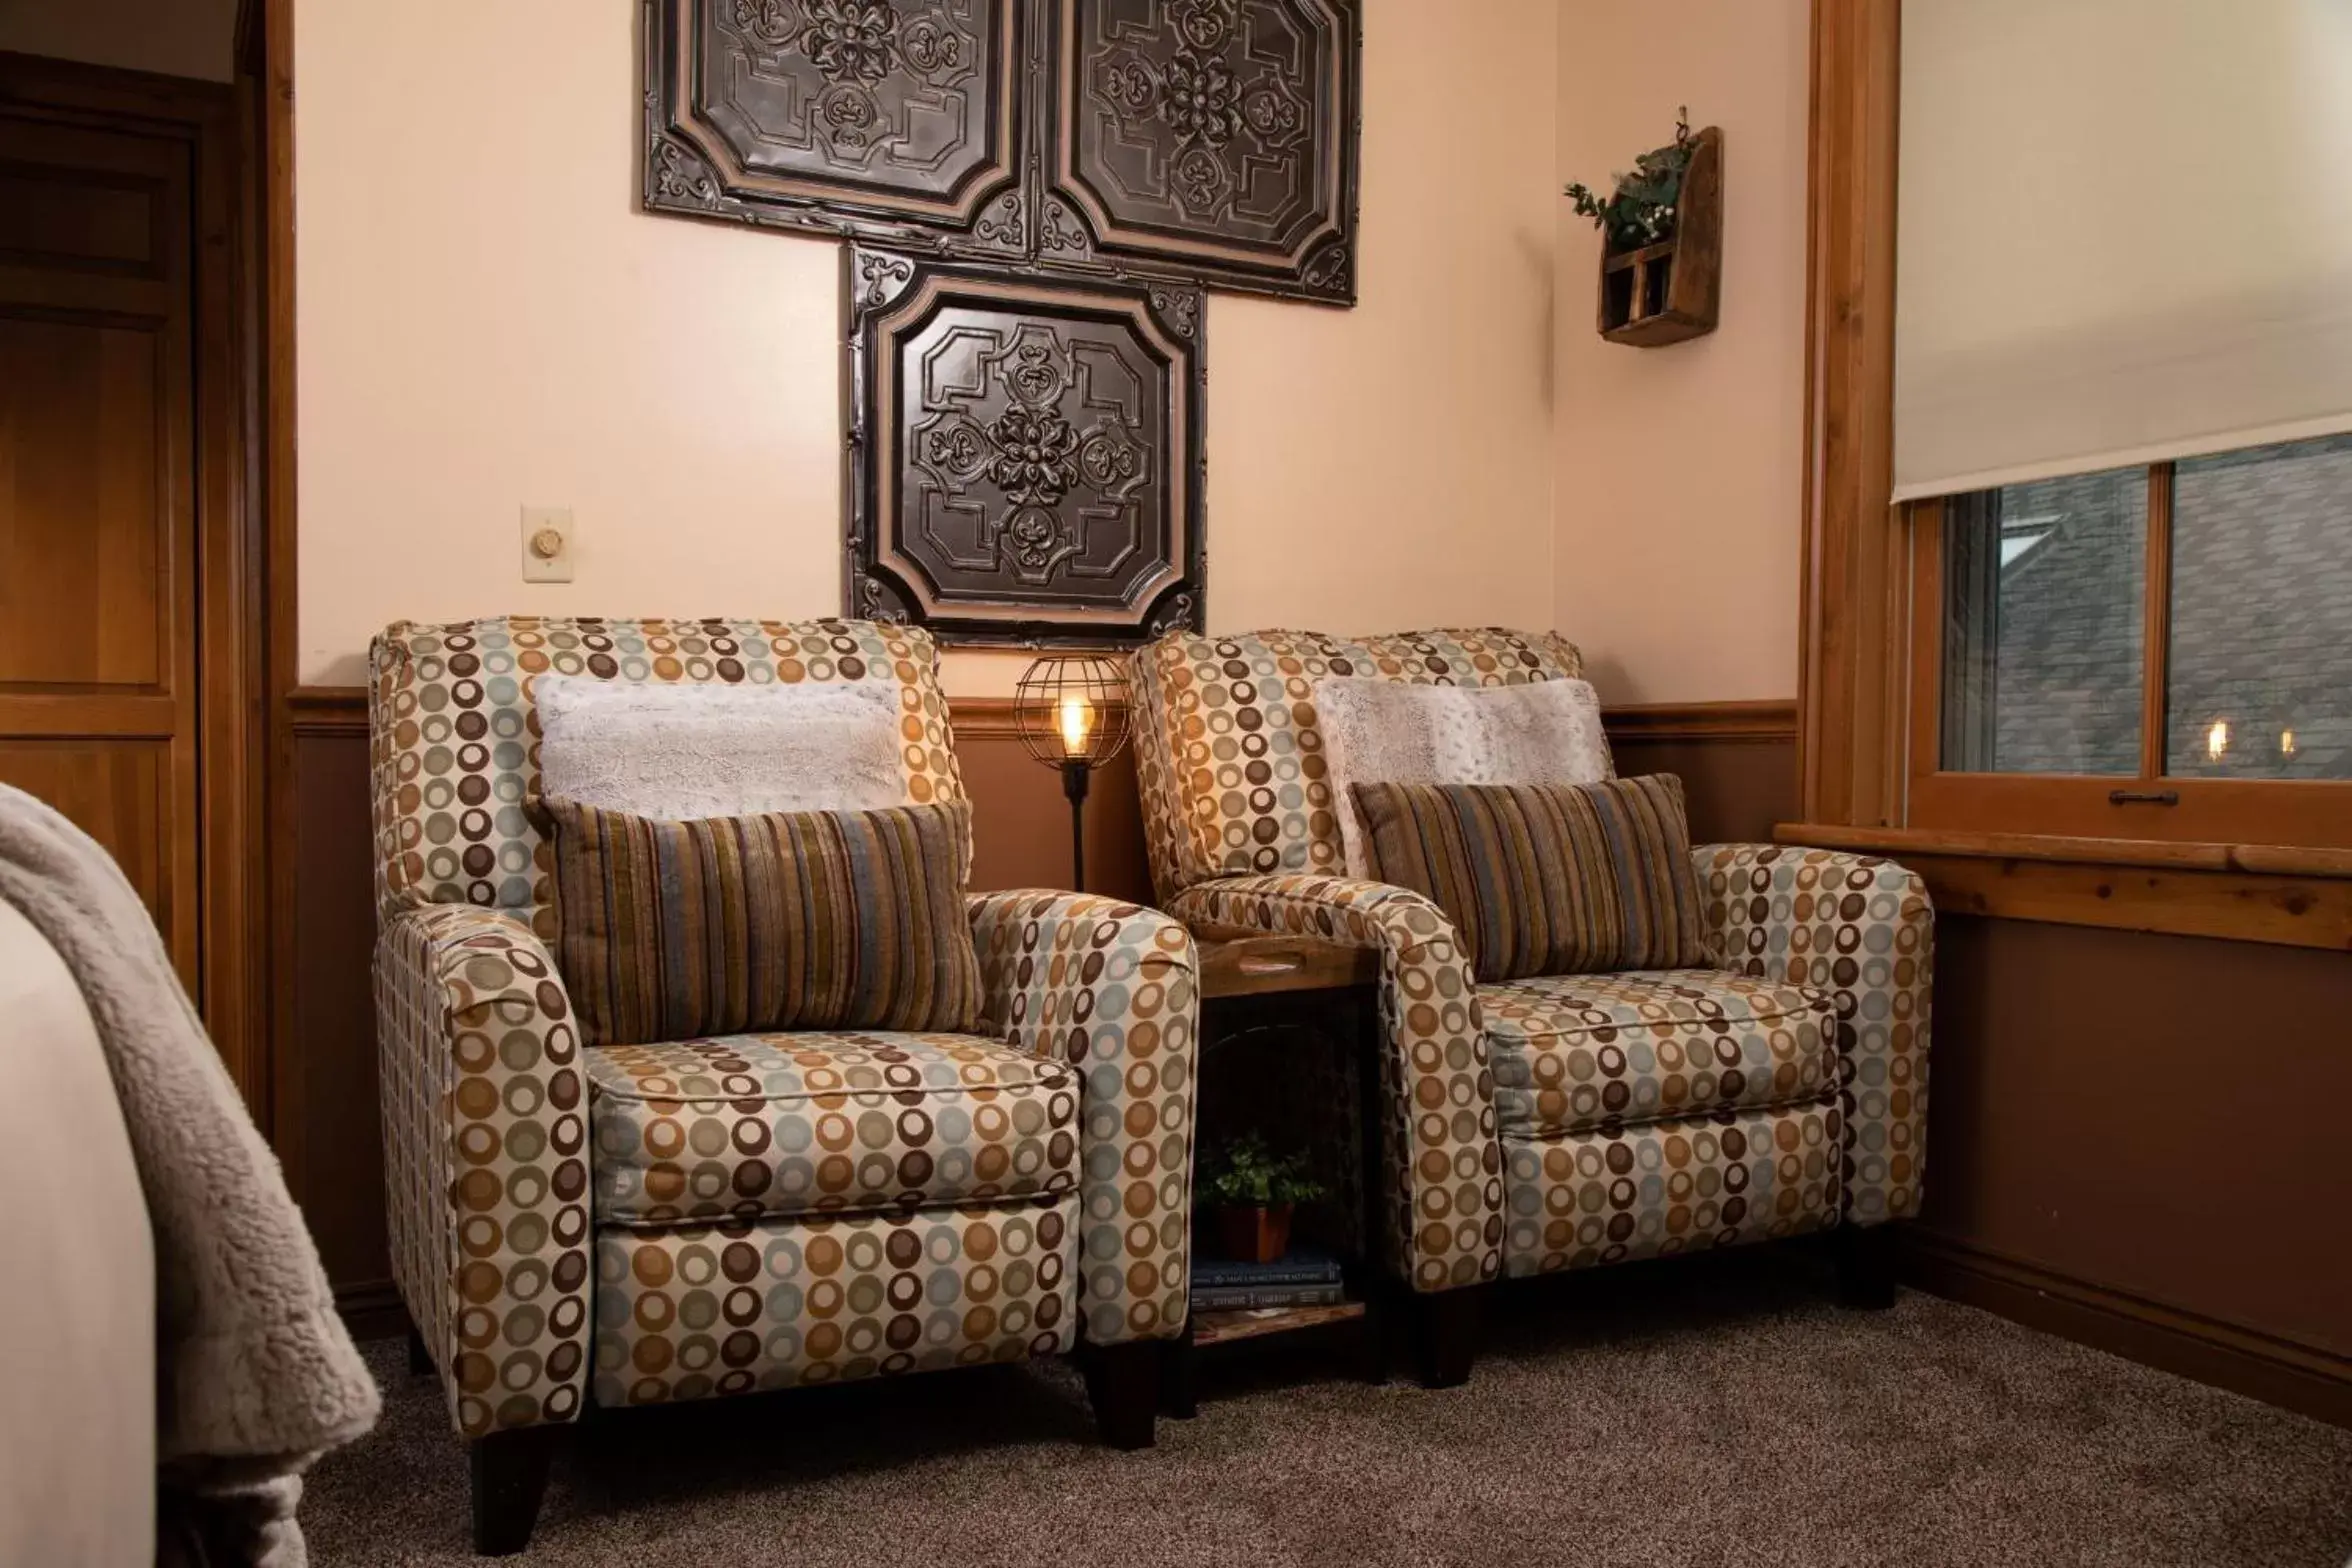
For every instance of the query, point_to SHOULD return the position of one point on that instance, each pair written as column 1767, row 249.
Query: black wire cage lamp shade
column 1072, row 713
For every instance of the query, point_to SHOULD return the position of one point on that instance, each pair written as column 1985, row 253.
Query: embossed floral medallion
column 1025, row 453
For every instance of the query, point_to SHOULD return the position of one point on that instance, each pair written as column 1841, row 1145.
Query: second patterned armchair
column 1564, row 1121
column 634, row 1224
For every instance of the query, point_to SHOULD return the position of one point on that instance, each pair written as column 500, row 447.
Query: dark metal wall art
column 1210, row 140
column 1035, row 192
column 1213, row 138
column 1026, row 452
column 904, row 119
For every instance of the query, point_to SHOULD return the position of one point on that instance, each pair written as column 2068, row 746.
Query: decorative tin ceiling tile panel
column 1213, row 139
column 900, row 119
column 1026, row 453
column 1209, row 140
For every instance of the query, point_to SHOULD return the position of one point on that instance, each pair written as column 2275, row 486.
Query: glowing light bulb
column 2217, row 739
column 1077, row 723
column 2286, row 743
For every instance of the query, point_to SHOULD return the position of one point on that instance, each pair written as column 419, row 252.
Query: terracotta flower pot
column 1252, row 1234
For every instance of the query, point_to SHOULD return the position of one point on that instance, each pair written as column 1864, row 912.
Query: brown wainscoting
column 2152, row 1119
column 1736, row 760
column 2277, row 1371
column 327, row 1132
column 1021, row 821
column 372, row 1308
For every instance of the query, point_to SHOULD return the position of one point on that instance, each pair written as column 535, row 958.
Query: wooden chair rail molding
column 327, row 709
column 1774, row 720
column 2240, row 892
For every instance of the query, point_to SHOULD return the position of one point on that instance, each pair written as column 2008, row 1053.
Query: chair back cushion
column 454, row 730
column 790, row 920
column 1228, row 754
column 719, row 751
column 1546, row 879
column 1377, row 732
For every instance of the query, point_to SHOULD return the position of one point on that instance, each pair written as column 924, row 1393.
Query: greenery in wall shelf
column 1640, row 210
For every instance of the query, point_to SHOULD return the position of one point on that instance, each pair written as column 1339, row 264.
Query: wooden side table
column 1266, row 1001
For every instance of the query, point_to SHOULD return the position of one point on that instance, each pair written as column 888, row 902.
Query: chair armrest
column 1863, row 930
column 1113, row 990
column 1444, row 1165
column 486, row 1161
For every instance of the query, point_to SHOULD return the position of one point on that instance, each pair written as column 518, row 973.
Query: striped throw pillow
column 790, row 920
column 1545, row 879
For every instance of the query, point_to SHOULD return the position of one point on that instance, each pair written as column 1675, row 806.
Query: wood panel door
column 98, row 540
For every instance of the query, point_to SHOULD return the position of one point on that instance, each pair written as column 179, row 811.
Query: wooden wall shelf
column 1670, row 291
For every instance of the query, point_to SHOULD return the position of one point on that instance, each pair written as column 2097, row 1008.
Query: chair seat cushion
column 1573, row 1052
column 752, row 1125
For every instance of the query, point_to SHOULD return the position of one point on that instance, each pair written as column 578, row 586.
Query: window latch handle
column 2143, row 797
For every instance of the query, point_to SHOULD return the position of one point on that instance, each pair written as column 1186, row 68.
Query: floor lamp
column 1071, row 710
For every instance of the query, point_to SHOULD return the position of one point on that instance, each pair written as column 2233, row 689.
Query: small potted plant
column 1254, row 1195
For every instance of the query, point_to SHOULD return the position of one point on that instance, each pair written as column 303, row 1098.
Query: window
column 2156, row 653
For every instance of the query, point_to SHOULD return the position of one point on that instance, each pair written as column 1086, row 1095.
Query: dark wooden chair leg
column 1123, row 1381
column 1865, row 1265
column 1177, row 1397
column 1445, row 1336
column 420, row 1360
column 510, row 1476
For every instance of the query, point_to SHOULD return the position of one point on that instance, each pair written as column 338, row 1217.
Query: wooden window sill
column 2276, row 893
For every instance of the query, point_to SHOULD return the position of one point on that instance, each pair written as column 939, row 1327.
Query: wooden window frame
column 2150, row 804
column 2250, row 860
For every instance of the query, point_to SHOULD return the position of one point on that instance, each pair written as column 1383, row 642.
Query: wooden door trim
column 231, row 597
column 1854, row 587
column 265, row 91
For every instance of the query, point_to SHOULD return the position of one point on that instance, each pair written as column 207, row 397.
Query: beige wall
column 1679, row 477
column 175, row 37
column 485, row 320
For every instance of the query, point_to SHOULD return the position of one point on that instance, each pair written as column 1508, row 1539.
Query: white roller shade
column 2125, row 233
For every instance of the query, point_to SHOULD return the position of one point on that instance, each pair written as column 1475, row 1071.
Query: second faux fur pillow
column 1386, row 732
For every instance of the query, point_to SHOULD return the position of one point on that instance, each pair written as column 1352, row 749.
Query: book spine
column 1236, row 1298
column 1214, row 1276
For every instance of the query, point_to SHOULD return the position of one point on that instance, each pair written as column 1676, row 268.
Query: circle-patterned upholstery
column 454, row 734
column 1228, row 755
column 1575, row 1052
column 1863, row 931
column 692, row 1311
column 1683, row 1185
column 749, row 1126
column 1113, row 990
column 486, row 1161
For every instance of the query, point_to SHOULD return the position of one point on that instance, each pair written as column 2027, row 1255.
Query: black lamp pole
column 1074, row 776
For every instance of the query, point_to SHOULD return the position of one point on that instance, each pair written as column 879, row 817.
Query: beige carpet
column 1717, row 1413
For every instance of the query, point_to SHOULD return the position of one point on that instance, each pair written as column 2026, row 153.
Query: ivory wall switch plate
column 548, row 544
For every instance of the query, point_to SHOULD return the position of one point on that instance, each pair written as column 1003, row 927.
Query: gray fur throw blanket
column 256, row 1375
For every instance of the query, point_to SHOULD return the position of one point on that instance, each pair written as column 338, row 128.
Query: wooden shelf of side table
column 1225, row 1328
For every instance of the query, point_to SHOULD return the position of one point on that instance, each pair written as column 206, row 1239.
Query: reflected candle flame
column 2217, row 739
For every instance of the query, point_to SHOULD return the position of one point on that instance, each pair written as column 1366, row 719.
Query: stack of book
column 1298, row 1279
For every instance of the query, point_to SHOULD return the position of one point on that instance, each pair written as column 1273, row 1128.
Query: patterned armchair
column 639, row 1224
column 1568, row 1121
